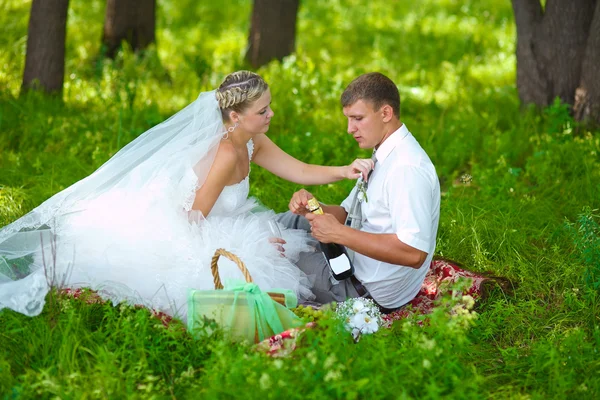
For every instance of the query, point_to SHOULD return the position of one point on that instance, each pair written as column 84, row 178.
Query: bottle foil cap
column 314, row 206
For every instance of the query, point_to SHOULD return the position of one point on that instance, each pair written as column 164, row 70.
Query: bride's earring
column 229, row 130
column 232, row 128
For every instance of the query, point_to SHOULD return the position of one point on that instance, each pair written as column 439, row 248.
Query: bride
column 144, row 226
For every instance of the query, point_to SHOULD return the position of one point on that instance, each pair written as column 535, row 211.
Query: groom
column 400, row 212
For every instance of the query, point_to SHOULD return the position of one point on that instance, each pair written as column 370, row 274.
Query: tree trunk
column 272, row 31
column 45, row 57
column 587, row 95
column 531, row 81
column 556, row 51
column 133, row 21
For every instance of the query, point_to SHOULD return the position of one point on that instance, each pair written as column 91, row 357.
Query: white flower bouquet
column 360, row 316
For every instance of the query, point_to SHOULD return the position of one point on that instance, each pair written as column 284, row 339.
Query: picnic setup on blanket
column 439, row 279
column 248, row 314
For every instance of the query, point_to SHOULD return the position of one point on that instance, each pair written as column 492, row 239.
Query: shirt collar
column 390, row 143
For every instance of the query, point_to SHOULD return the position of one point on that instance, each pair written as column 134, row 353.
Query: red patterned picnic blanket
column 442, row 273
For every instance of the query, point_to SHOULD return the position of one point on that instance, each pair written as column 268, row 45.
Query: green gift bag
column 241, row 307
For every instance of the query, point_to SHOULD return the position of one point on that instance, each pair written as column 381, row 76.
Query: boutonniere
column 362, row 190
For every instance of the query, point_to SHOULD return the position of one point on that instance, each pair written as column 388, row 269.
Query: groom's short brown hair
column 374, row 87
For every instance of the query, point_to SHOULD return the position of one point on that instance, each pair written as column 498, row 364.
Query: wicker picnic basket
column 240, row 308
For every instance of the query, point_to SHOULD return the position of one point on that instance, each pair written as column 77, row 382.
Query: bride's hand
column 299, row 201
column 278, row 242
column 360, row 166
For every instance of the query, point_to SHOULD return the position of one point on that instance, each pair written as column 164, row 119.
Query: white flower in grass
column 427, row 344
column 330, row 361
column 265, row 382
column 468, row 301
column 333, row 375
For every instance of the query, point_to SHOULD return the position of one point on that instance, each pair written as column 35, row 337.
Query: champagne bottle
column 335, row 254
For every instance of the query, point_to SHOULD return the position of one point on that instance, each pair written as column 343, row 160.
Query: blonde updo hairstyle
column 238, row 91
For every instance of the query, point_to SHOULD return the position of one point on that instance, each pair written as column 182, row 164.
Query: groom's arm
column 379, row 246
column 383, row 247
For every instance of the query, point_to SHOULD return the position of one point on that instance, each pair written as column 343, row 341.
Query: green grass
column 530, row 212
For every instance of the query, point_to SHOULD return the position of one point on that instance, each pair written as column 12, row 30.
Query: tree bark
column 272, row 31
column 587, row 95
column 133, row 21
column 557, row 49
column 531, row 79
column 45, row 57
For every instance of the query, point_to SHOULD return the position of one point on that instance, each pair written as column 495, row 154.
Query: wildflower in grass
column 330, row 361
column 427, row 344
column 462, row 314
column 468, row 301
column 312, row 357
column 466, row 179
column 333, row 375
column 265, row 381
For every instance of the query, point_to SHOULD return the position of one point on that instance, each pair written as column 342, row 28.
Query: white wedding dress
column 141, row 243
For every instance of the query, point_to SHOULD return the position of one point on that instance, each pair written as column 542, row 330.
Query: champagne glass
column 274, row 229
column 276, row 237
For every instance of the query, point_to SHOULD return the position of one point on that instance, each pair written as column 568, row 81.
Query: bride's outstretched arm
column 269, row 156
column 220, row 174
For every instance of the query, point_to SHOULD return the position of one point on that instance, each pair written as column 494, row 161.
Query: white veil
column 164, row 166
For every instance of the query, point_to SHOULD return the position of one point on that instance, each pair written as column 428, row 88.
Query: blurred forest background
column 503, row 96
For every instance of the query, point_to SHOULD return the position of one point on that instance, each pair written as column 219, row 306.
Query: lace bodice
column 233, row 197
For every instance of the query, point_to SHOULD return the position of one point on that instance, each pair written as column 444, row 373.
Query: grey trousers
column 314, row 265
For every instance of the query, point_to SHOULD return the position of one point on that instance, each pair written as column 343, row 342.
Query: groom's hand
column 325, row 227
column 299, row 202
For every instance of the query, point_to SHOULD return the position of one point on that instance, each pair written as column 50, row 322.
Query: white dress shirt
column 403, row 198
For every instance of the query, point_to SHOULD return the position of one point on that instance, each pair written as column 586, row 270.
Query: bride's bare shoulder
column 226, row 153
column 261, row 141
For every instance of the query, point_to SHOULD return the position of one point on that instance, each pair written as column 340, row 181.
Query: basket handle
column 215, row 269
